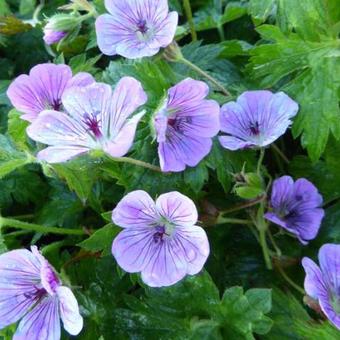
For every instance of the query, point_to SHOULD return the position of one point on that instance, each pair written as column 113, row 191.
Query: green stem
column 136, row 162
column 259, row 163
column 272, row 240
column 223, row 220
column 188, row 13
column 288, row 279
column 280, row 153
column 206, row 75
column 220, row 30
column 9, row 222
column 265, row 249
column 243, row 205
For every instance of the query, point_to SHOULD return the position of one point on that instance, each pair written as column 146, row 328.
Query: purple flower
column 31, row 291
column 323, row 284
column 185, row 125
column 257, row 118
column 95, row 118
column 160, row 239
column 42, row 88
column 135, row 29
column 296, row 207
column 51, row 36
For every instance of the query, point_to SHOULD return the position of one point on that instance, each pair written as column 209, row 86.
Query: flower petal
column 314, row 283
column 42, row 89
column 177, row 208
column 136, row 209
column 60, row 154
column 19, row 276
column 329, row 259
column 127, row 96
column 123, row 141
column 195, row 247
column 234, row 143
column 69, row 311
column 57, row 128
column 81, row 79
column 167, row 29
column 282, row 191
column 134, row 248
column 179, row 149
column 187, row 93
column 42, row 322
column 308, row 194
column 93, row 99
column 166, row 266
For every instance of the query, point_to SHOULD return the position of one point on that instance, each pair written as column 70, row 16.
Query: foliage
column 281, row 45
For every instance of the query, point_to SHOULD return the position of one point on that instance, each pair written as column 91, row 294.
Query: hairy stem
column 206, row 75
column 136, row 162
column 259, row 163
column 9, row 222
column 223, row 220
column 188, row 13
column 243, row 205
column 288, row 279
column 280, row 153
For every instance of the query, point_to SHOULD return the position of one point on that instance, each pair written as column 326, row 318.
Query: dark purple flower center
column 255, row 128
column 159, row 234
column 93, row 124
column 37, row 294
column 179, row 124
column 142, row 26
column 56, row 105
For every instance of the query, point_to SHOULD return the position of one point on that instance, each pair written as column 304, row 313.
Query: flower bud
column 251, row 185
column 173, row 52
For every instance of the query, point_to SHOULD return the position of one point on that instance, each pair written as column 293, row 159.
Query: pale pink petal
column 60, row 154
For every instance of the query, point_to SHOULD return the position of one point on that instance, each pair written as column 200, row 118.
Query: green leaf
column 261, row 9
column 27, row 7
column 80, row 175
column 80, row 63
column 10, row 158
column 245, row 313
column 17, row 129
column 307, row 71
column 101, row 240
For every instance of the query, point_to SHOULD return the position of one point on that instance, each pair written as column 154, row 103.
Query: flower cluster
column 74, row 114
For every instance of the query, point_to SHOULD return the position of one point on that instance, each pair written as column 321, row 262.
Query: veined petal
column 166, row 266
column 69, row 311
column 19, row 281
column 186, row 94
column 81, row 79
column 329, row 259
column 314, row 283
column 91, row 100
column 282, row 191
column 136, row 209
column 195, row 247
column 166, row 29
column 41, row 90
column 127, row 97
column 189, row 150
column 122, row 142
column 58, row 129
column 60, row 154
column 177, row 208
column 42, row 322
column 134, row 248
column 234, row 143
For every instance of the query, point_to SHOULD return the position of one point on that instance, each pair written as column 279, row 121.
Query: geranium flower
column 323, row 284
column 95, row 118
column 51, row 37
column 42, row 88
column 185, row 125
column 256, row 119
column 160, row 239
column 135, row 29
column 296, row 207
column 31, row 291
